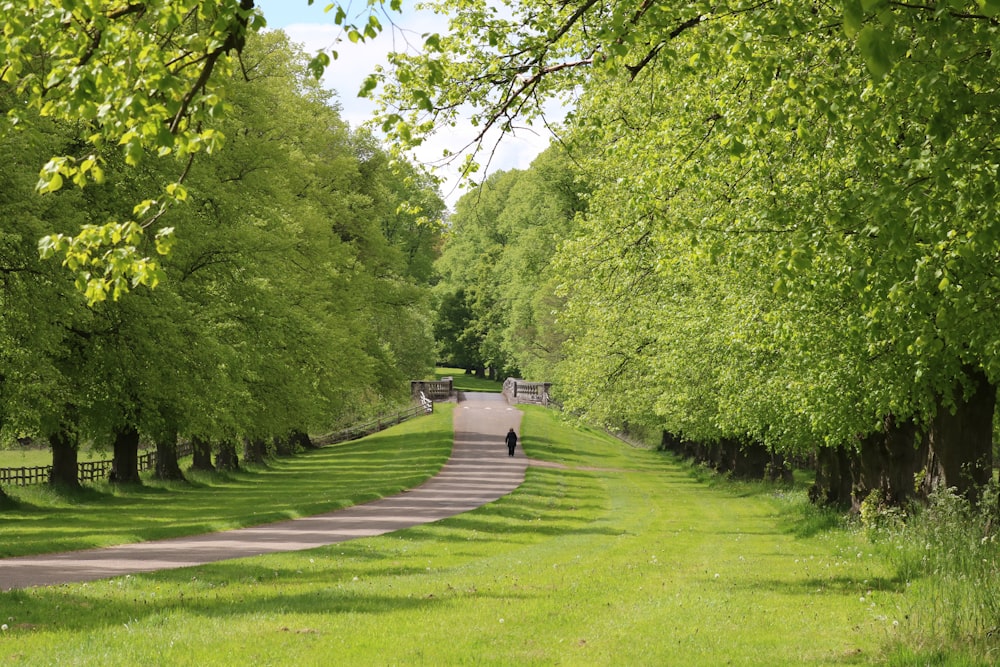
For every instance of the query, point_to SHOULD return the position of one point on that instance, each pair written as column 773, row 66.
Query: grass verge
column 45, row 520
column 623, row 558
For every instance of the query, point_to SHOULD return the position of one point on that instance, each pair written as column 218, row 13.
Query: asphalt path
column 479, row 471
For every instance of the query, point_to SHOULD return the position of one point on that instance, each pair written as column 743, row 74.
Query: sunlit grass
column 634, row 563
column 33, row 457
column 47, row 520
column 468, row 382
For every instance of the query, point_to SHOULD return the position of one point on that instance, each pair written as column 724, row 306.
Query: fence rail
column 86, row 471
column 426, row 406
column 24, row 476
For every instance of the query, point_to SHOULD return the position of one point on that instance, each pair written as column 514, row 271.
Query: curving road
column 478, row 472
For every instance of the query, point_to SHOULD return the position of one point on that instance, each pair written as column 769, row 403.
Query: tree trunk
column 283, row 446
column 888, row 462
column 669, row 442
column 751, row 461
column 254, row 450
column 301, row 439
column 724, row 454
column 65, row 457
column 125, row 466
column 777, row 469
column 833, row 477
column 960, row 439
column 167, row 467
column 226, row 458
column 201, row 454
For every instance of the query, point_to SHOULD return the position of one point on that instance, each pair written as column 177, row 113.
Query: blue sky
column 310, row 26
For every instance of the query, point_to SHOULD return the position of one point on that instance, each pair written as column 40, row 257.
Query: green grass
column 46, row 520
column 34, row 457
column 465, row 382
column 636, row 562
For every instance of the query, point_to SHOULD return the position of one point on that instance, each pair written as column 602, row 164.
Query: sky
column 311, row 27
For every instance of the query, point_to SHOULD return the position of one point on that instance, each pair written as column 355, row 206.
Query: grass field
column 310, row 483
column 464, row 382
column 625, row 558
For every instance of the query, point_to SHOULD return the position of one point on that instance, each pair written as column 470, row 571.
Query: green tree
column 144, row 78
column 844, row 147
column 289, row 308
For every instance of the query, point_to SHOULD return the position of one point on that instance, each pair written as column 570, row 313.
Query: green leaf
column 875, row 46
column 854, row 17
column 989, row 7
column 369, row 85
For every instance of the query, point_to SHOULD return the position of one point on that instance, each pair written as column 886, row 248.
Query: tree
column 144, row 78
column 277, row 319
column 469, row 294
column 840, row 154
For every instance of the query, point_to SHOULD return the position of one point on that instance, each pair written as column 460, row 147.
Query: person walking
column 511, row 442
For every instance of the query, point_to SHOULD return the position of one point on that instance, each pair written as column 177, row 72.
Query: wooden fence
column 92, row 471
column 87, row 471
column 426, row 406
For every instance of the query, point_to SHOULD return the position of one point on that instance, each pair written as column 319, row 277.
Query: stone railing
column 436, row 390
column 518, row 391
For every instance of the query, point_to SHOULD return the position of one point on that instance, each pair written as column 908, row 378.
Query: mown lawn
column 310, row 483
column 468, row 382
column 623, row 559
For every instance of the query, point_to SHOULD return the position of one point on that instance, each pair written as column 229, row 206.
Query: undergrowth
column 948, row 553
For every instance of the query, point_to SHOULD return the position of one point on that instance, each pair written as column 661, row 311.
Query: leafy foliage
column 298, row 291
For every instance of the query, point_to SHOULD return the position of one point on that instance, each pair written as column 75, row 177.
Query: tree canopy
column 143, row 80
column 298, row 291
column 789, row 233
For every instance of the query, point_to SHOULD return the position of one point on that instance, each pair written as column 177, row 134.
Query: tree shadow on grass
column 327, row 580
column 312, row 483
column 844, row 584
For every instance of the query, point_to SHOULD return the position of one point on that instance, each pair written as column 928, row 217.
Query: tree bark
column 301, row 439
column 167, row 467
column 226, row 458
column 125, row 466
column 960, row 438
column 201, row 456
column 888, row 462
column 254, row 450
column 669, row 442
column 283, row 446
column 833, row 477
column 778, row 469
column 65, row 457
column 751, row 461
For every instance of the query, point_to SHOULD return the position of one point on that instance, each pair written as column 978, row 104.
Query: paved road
column 478, row 472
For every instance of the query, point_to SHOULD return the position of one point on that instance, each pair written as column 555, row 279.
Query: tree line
column 768, row 230
column 290, row 290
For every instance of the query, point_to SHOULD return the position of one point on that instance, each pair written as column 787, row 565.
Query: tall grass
column 949, row 554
